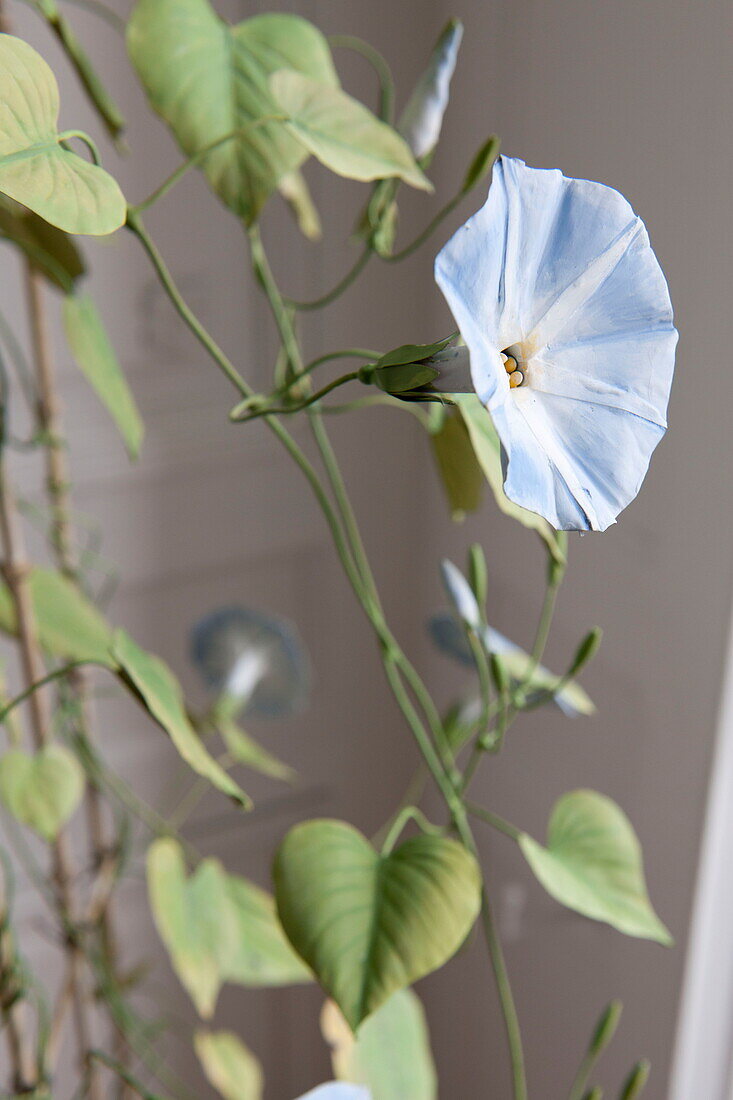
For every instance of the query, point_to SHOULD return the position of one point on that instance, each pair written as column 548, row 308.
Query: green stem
column 443, row 213
column 341, row 286
column 378, row 63
column 197, row 159
column 408, row 813
column 288, row 410
column 135, row 224
column 494, row 820
column 57, row 674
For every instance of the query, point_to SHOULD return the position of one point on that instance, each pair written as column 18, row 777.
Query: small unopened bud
column 586, row 651
column 605, row 1028
column 454, row 370
column 477, row 574
column 636, row 1081
column 499, row 674
column 422, row 118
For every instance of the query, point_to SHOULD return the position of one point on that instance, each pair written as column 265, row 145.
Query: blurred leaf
column 233, row 1070
column 96, row 358
column 481, row 164
column 49, row 249
column 460, row 472
column 35, row 169
column 207, row 79
column 157, row 689
column 69, row 626
column 262, row 955
column 488, row 452
column 194, row 918
column 294, row 190
column 42, row 791
column 97, row 94
column 342, row 133
column 246, row 750
column 358, row 918
column 390, row 1052
column 593, row 864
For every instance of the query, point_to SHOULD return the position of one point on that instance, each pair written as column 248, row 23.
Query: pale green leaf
column 360, row 919
column 208, row 79
column 49, row 249
column 229, row 1066
column 35, row 169
column 342, row 133
column 69, row 626
column 157, row 688
column 194, row 919
column 245, row 750
column 262, row 955
column 41, row 791
column 460, row 472
column 294, row 190
column 390, row 1052
column 488, row 452
column 96, row 358
column 593, row 864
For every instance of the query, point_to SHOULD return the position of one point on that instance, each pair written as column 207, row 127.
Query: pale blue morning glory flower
column 450, row 638
column 336, row 1090
column 422, row 118
column 568, row 321
column 255, row 662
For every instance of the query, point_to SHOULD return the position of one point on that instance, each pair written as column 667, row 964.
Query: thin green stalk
column 433, row 224
column 378, row 63
column 288, row 410
column 494, row 820
column 198, row 158
column 341, row 286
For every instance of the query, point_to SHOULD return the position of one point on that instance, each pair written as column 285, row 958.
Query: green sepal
column 403, row 378
column 481, row 164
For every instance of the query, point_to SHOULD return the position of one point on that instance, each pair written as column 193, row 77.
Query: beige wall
column 637, row 95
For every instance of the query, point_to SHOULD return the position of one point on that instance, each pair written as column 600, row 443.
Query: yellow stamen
column 515, row 379
column 510, row 365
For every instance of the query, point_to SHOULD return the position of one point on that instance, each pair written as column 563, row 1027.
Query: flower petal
column 563, row 268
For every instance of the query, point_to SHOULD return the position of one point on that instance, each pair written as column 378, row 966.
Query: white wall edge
column 702, row 1057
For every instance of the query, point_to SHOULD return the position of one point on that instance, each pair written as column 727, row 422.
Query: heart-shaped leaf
column 208, row 79
column 49, row 249
column 194, row 918
column 233, row 1070
column 95, row 356
column 262, row 955
column 69, row 626
column 35, row 168
column 41, row 791
column 593, row 864
column 391, row 1052
column 157, row 689
column 486, row 444
column 370, row 924
column 342, row 133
